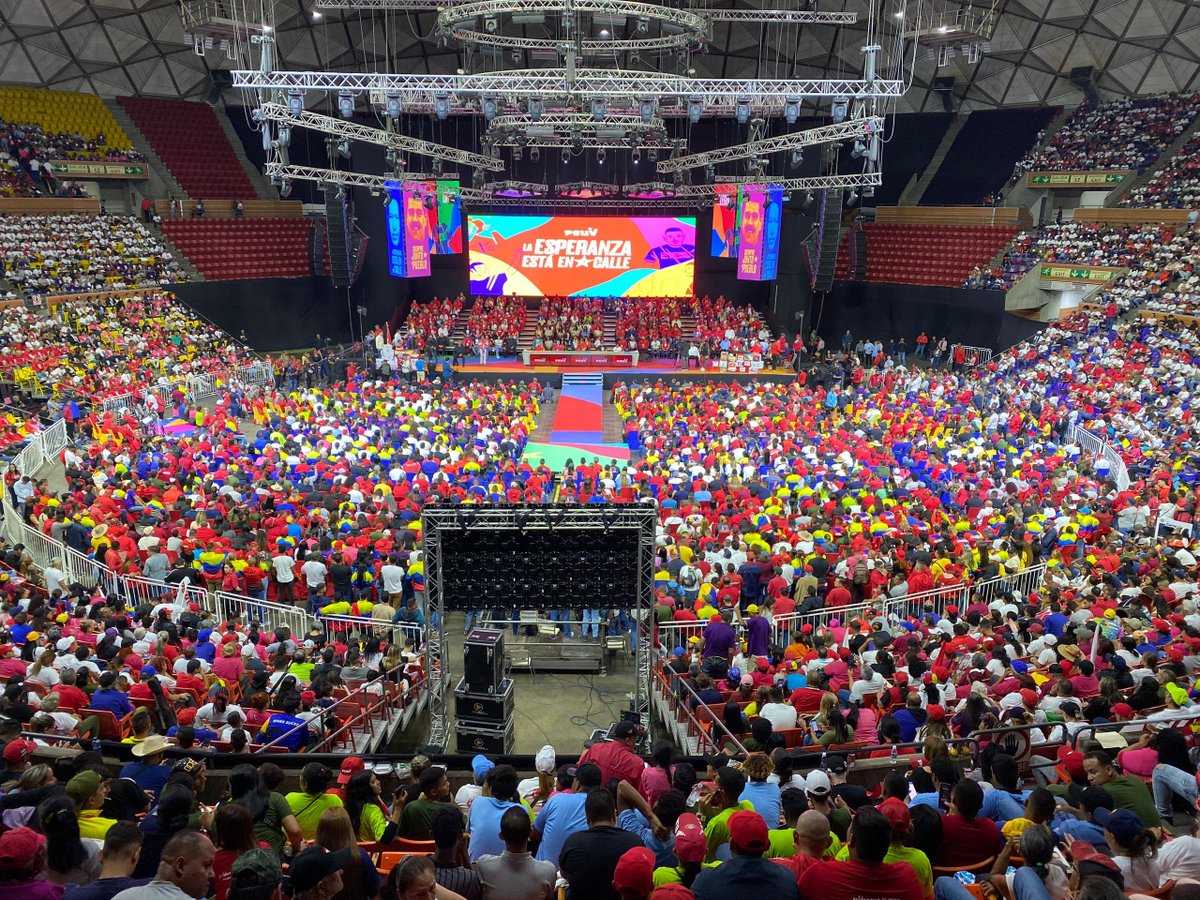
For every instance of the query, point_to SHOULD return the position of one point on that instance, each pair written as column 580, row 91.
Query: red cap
column 1124, row 710
column 1067, row 666
column 1082, row 851
column 229, row 637
column 186, row 716
column 674, row 891
column 748, row 832
column 691, row 846
column 936, row 712
column 193, row 607
column 763, row 663
column 901, row 678
column 18, row 847
column 1035, row 628
column 806, row 628
column 952, row 610
column 897, row 813
column 635, row 871
column 1072, row 761
column 18, row 751
column 5, row 649
column 715, row 617
column 350, row 765
column 1029, row 698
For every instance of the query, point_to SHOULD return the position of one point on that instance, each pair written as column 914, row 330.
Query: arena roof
column 119, row 47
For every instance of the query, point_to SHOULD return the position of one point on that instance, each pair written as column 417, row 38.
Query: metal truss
column 584, row 48
column 855, row 128
column 782, row 16
column 536, row 518
column 343, row 128
column 788, row 16
column 614, row 86
column 325, row 176
column 526, row 188
column 569, row 130
column 812, row 183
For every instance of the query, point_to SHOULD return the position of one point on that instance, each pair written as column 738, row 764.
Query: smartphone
column 944, row 797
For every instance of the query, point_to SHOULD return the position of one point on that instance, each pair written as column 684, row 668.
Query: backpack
column 860, row 571
column 689, row 578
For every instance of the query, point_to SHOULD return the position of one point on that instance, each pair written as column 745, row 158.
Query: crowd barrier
column 1096, row 446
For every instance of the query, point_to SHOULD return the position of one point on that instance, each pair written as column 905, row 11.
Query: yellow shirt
column 93, row 825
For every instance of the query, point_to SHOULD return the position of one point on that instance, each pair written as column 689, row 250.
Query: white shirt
column 780, row 715
column 314, row 574
column 283, row 568
column 392, row 577
column 1179, row 858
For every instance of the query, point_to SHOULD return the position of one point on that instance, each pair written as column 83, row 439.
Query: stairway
column 525, row 338
column 916, row 190
column 262, row 184
column 688, row 323
column 1020, row 194
column 173, row 188
column 583, row 379
column 1164, row 158
column 179, row 255
column 609, row 338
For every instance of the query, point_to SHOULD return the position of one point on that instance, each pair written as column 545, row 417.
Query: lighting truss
column 854, row 128
column 577, row 130
column 783, row 16
column 343, row 128
column 327, row 176
column 586, row 190
column 617, row 87
column 811, row 183
column 516, row 189
column 650, row 190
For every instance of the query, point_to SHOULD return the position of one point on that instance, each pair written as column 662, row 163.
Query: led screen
column 759, row 219
column 724, row 222
column 575, row 256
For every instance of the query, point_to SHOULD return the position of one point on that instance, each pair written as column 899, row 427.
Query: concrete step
column 167, row 185
column 614, row 429
column 262, row 184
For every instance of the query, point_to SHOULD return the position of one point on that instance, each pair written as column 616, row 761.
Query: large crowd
column 1127, row 133
column 1175, row 186
column 66, row 254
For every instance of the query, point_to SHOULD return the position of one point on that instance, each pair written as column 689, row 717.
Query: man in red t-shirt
column 967, row 837
column 812, row 839
column 864, row 876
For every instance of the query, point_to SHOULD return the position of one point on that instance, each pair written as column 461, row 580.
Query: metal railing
column 703, row 733
column 1097, row 446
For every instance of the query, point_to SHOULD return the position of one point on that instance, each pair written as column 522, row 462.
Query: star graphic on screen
column 582, row 263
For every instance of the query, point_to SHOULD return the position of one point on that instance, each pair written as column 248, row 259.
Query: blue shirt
column 560, row 818
column 1001, row 806
column 281, row 724
column 112, row 700
column 484, row 825
column 1064, row 824
column 765, row 797
column 634, row 822
column 758, row 636
column 147, row 777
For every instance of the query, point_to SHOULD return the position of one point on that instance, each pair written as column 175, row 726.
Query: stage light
column 517, row 154
column 695, row 109
column 839, row 109
column 346, row 103
column 566, row 155
column 636, row 156
column 859, row 149
column 441, row 106
column 643, row 24
column 791, row 110
column 797, row 158
column 599, row 108
column 600, row 155
column 808, row 199
column 742, row 110
column 652, row 154
column 491, row 107
column 852, row 198
column 393, row 106
column 536, row 107
column 535, row 154
column 285, row 136
column 285, row 190
column 490, row 24
column 343, row 148
column 438, row 166
column 295, row 102
column 710, row 174
column 647, row 108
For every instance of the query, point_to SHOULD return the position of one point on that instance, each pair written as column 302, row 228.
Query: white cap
column 63, row 644
column 817, row 782
column 545, row 760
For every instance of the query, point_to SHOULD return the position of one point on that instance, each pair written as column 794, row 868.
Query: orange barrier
column 49, row 206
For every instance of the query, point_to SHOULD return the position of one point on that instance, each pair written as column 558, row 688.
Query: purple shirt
column 718, row 639
column 758, row 636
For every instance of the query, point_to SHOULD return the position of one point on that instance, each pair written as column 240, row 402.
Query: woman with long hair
column 233, row 834
column 42, row 669
column 838, row 729
column 334, row 832
column 273, row 821
column 171, row 815
column 68, row 859
column 365, row 808
column 1134, row 848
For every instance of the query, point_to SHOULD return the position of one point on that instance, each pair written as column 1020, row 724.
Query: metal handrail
column 700, row 730
column 1090, row 728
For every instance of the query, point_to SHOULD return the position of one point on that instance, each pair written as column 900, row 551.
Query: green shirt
column 911, row 855
column 417, row 817
column 269, row 826
column 307, row 809
column 1129, row 792
column 672, row 875
column 783, row 843
column 371, row 823
column 717, row 829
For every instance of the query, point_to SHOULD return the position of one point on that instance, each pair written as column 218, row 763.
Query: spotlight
column 438, row 167
column 343, row 148
column 797, row 158
column 808, row 199
column 285, row 136
column 605, row 34
column 600, row 155
column 742, row 110
column 695, row 109
column 489, row 24
column 518, row 154
column 316, row 15
column 859, row 149
column 791, row 110
column 647, row 108
column 636, row 156
column 652, row 153
column 491, row 106
column 441, row 106
column 295, row 102
column 599, row 108
column 852, row 198
column 393, row 106
column 869, row 191
column 535, row 154
column 840, row 108
column 710, row 174
column 536, row 107
column 346, row 103
column 285, row 189
column 565, row 156
column 643, row 24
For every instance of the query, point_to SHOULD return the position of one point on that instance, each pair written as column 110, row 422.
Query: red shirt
column 71, row 697
column 837, row 597
column 851, row 880
column 967, row 841
column 615, row 760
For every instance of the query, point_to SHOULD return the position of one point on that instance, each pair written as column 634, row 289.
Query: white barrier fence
column 1096, row 446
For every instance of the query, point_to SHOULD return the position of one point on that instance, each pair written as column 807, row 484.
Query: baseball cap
column 635, row 871
column 18, row 847
column 258, row 866
column 936, row 711
column 1123, row 709
column 350, row 765
column 64, row 644
column 1029, row 697
column 1122, row 824
column 1083, row 852
column 746, row 680
column 752, row 608
column 674, row 891
column 83, row 786
column 314, row 865
column 748, row 832
column 623, row 729
column 817, row 783
column 835, row 764
column 544, row 762
column 897, row 813
column 480, row 766
column 18, row 751
column 690, row 843
column 1072, row 761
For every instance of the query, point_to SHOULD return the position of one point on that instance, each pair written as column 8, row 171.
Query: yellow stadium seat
column 57, row 111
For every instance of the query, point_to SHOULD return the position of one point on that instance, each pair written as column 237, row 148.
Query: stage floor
column 513, row 365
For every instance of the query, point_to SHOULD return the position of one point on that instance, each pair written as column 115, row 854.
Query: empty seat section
column 934, row 255
column 189, row 140
column 225, row 249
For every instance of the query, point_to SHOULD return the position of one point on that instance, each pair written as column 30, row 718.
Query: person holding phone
column 967, row 837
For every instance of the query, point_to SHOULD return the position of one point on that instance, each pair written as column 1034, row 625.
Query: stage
column 513, row 367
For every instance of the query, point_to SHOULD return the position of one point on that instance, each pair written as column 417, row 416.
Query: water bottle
column 895, row 753
column 823, row 755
